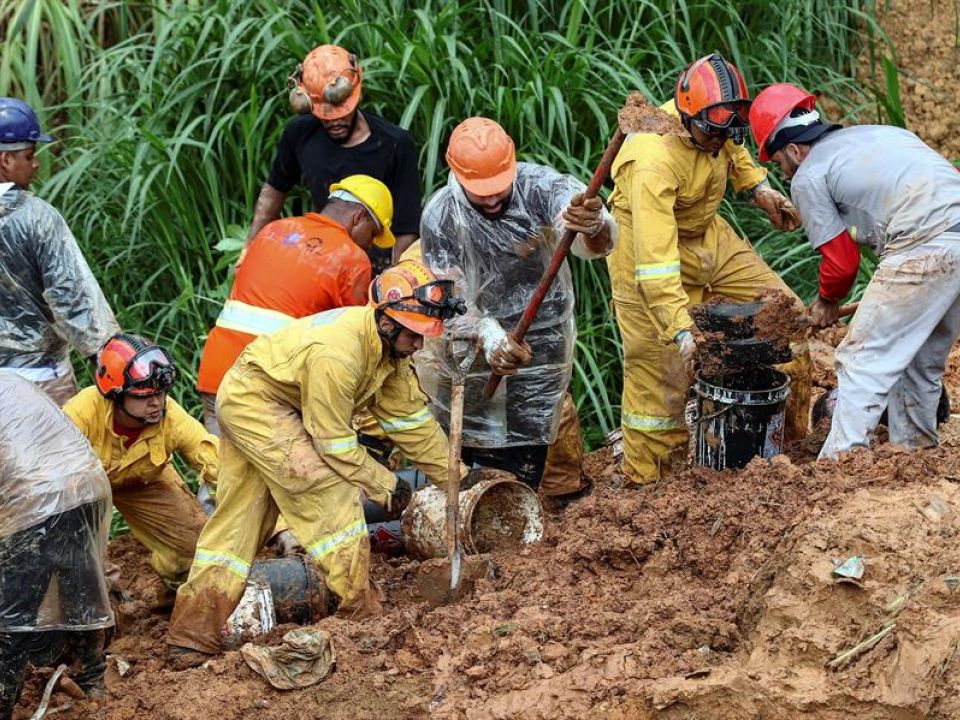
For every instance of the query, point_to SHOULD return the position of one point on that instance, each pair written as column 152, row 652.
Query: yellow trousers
column 655, row 386
column 268, row 466
column 166, row 518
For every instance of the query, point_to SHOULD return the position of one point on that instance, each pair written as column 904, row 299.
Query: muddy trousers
column 30, row 560
column 268, row 465
column 655, row 386
column 166, row 518
column 895, row 352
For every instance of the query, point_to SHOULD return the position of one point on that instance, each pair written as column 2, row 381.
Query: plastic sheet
column 496, row 264
column 54, row 518
column 49, row 299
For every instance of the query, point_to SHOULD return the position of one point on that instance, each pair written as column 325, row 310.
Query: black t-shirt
column 388, row 154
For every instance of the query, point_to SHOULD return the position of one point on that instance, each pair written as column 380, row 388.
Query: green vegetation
column 167, row 112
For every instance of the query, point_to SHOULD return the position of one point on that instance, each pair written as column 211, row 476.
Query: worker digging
column 370, row 359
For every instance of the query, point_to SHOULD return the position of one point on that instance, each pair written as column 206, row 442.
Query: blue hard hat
column 19, row 124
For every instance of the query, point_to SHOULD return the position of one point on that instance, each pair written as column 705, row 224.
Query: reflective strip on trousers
column 209, row 558
column 651, row 423
column 408, row 422
column 656, row 271
column 326, row 545
column 337, row 446
column 251, row 319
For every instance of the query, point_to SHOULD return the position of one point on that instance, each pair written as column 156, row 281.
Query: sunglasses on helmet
column 151, row 369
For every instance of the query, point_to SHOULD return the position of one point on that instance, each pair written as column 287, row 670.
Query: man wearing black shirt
column 333, row 139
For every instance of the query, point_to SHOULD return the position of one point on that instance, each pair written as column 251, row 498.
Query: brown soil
column 638, row 115
column 707, row 596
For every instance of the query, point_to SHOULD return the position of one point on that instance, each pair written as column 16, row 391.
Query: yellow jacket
column 331, row 366
column 666, row 195
column 144, row 460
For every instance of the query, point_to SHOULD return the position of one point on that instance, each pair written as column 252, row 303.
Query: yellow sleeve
column 198, row 447
column 402, row 413
column 652, row 196
column 745, row 174
column 82, row 409
column 327, row 396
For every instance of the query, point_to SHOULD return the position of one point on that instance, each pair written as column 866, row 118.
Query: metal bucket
column 299, row 593
column 494, row 515
column 739, row 417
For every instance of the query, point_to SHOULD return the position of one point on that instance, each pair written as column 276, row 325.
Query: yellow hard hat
column 373, row 195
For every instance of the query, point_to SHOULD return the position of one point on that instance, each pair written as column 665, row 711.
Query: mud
column 639, row 115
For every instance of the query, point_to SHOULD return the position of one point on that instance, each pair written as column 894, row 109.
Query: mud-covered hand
column 824, row 313
column 399, row 499
column 783, row 215
column 584, row 215
column 287, row 544
column 688, row 352
column 504, row 355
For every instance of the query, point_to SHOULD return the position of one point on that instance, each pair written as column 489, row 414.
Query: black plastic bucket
column 299, row 593
column 739, row 417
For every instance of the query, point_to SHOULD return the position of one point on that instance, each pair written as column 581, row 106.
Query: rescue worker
column 332, row 139
column 885, row 188
column 288, row 447
column 49, row 299
column 675, row 251
column 135, row 428
column 493, row 230
column 54, row 522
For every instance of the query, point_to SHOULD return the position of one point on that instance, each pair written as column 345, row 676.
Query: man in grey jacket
column 49, row 298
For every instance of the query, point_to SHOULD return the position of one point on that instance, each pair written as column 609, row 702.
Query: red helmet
column 411, row 295
column 772, row 105
column 130, row 364
column 712, row 95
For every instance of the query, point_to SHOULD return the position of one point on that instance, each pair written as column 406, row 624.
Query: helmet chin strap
column 391, row 337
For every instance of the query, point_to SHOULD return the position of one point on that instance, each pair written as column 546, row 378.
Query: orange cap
column 332, row 78
column 482, row 156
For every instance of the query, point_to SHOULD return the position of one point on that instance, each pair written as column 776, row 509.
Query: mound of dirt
column 708, row 595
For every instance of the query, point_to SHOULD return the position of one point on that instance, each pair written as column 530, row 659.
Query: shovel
column 637, row 115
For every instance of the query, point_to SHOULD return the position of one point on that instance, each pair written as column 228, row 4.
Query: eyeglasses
column 151, row 369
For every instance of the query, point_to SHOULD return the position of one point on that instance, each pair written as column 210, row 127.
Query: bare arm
column 269, row 205
column 403, row 242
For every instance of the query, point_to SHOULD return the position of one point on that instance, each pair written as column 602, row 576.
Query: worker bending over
column 675, row 251
column 493, row 230
column 285, row 409
column 54, row 522
column 135, row 428
column 885, row 188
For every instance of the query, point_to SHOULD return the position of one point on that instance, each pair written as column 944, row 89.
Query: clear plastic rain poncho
column 49, row 299
column 54, row 517
column 496, row 265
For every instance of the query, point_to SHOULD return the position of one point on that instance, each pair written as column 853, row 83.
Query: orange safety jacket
column 294, row 267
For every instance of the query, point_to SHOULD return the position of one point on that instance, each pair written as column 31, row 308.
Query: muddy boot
column 184, row 658
column 13, row 666
column 89, row 652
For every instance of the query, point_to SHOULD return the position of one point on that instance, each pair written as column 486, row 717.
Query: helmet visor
column 725, row 115
column 438, row 295
column 151, row 369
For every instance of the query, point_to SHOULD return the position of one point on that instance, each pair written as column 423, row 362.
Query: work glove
column 504, row 355
column 287, row 544
column 783, row 215
column 399, row 500
column 688, row 352
column 584, row 216
column 824, row 313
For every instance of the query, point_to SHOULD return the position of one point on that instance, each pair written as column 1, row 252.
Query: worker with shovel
column 675, row 251
column 332, row 138
column 49, row 299
column 493, row 230
column 288, row 447
column 54, row 522
column 882, row 187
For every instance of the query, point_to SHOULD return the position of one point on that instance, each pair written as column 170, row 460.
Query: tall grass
column 168, row 111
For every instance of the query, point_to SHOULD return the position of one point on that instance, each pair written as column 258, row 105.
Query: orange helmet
column 131, row 364
column 712, row 95
column 412, row 296
column 482, row 156
column 332, row 78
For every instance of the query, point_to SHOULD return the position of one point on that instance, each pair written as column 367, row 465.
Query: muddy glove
column 688, row 352
column 287, row 544
column 783, row 215
column 399, row 500
column 504, row 355
column 584, row 216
